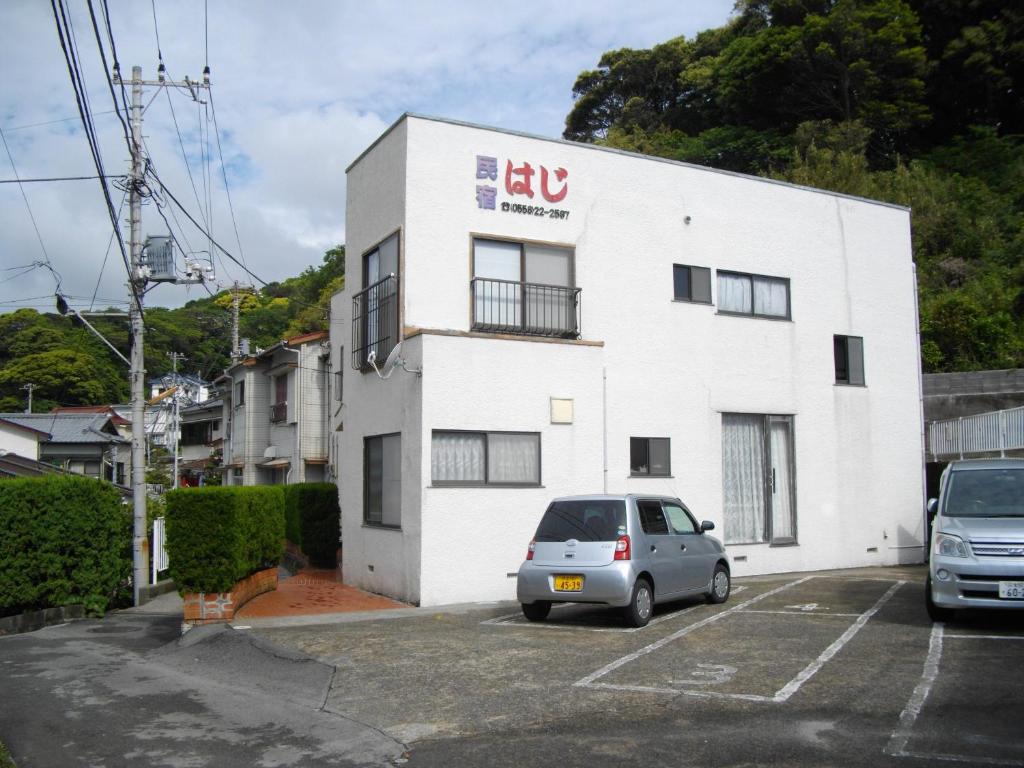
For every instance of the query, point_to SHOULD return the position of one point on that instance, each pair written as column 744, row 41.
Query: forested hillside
column 70, row 366
column 916, row 102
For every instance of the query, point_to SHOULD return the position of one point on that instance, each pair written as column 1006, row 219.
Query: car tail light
column 622, row 550
column 529, row 550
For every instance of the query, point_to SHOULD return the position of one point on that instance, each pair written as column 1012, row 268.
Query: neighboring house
column 85, row 443
column 172, row 389
column 588, row 320
column 202, row 437
column 14, row 465
column 275, row 409
column 21, row 439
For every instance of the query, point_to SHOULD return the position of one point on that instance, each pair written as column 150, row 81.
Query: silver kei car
column 630, row 551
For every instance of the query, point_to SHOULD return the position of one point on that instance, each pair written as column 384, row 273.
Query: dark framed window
column 375, row 309
column 485, row 458
column 849, row 359
column 239, row 393
column 524, row 288
column 339, row 379
column 382, row 480
column 755, row 295
column 691, row 283
column 650, row 456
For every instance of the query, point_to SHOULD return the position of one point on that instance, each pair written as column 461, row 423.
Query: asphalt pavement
column 805, row 670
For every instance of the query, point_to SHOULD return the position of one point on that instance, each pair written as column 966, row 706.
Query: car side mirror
column 933, row 506
column 706, row 525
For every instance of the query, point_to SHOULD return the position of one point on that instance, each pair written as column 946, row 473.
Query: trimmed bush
column 219, row 535
column 292, row 515
column 320, row 522
column 63, row 540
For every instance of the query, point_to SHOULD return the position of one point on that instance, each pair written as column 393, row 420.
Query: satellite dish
column 394, row 360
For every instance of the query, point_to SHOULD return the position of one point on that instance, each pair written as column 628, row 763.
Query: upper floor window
column 524, row 288
column 849, row 359
column 279, row 408
column 239, row 393
column 755, row 295
column 375, row 308
column 691, row 283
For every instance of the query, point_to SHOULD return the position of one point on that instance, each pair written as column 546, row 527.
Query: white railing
column 159, row 554
column 993, row 432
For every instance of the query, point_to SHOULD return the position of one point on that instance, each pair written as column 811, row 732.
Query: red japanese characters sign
column 519, row 182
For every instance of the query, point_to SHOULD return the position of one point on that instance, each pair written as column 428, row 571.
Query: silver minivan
column 977, row 541
column 629, row 551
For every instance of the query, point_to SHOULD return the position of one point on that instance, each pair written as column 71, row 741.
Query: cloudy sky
column 300, row 89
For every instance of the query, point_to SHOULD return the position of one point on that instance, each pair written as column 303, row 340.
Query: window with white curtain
column 485, row 458
column 758, row 479
column 755, row 295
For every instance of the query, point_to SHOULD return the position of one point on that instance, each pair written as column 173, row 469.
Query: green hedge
column 63, row 540
column 319, row 523
column 218, row 535
column 292, row 515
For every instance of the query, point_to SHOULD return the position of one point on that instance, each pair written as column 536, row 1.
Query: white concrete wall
column 16, row 440
column 371, row 406
column 672, row 367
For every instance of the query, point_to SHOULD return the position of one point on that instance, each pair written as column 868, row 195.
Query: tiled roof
column 67, row 427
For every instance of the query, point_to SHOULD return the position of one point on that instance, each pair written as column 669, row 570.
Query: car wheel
column 641, row 604
column 935, row 612
column 721, row 585
column 537, row 611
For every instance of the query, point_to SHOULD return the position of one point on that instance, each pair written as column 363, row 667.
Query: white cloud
column 300, row 90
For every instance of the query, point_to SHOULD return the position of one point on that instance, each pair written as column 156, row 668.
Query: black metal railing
column 374, row 322
column 278, row 412
column 529, row 309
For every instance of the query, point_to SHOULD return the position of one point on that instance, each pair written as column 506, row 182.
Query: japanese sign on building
column 522, row 188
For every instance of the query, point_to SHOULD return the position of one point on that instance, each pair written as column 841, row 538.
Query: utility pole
column 175, row 402
column 30, row 386
column 236, row 300
column 137, row 284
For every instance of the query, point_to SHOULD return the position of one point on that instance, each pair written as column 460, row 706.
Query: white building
column 275, row 411
column 590, row 320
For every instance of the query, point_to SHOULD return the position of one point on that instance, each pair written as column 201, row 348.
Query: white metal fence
column 993, row 432
column 159, row 554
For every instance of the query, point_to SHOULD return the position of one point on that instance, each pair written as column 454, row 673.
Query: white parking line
column 806, row 613
column 589, row 679
column 897, row 746
column 782, row 694
column 986, row 637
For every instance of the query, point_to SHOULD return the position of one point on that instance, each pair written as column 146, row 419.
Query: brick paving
column 312, row 591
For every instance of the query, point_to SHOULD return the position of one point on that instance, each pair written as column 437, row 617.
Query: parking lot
column 808, row 669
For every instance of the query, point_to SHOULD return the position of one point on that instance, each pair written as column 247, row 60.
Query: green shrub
column 292, row 515
column 218, row 535
column 320, row 519
column 63, row 540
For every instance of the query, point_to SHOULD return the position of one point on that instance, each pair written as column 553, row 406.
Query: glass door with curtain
column 781, row 486
column 758, row 480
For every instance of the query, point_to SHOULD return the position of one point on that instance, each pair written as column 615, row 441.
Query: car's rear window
column 601, row 520
column 985, row 493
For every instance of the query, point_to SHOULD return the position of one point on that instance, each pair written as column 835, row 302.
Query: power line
column 54, row 178
column 106, row 77
column 24, row 197
column 224, row 172
column 53, row 122
column 106, row 254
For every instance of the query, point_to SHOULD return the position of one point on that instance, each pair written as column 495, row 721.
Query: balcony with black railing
column 374, row 322
column 278, row 412
column 527, row 309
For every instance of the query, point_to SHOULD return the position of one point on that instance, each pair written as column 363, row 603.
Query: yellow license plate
column 571, row 583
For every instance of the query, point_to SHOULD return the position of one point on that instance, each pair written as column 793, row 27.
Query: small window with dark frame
column 650, row 457
column 691, row 283
column 239, row 393
column 849, row 359
column 382, row 481
column 485, row 458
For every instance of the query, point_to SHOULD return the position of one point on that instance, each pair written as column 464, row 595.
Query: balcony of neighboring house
column 525, row 289
column 278, row 412
column 375, row 322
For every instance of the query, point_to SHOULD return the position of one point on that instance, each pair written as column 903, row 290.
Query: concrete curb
column 30, row 621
